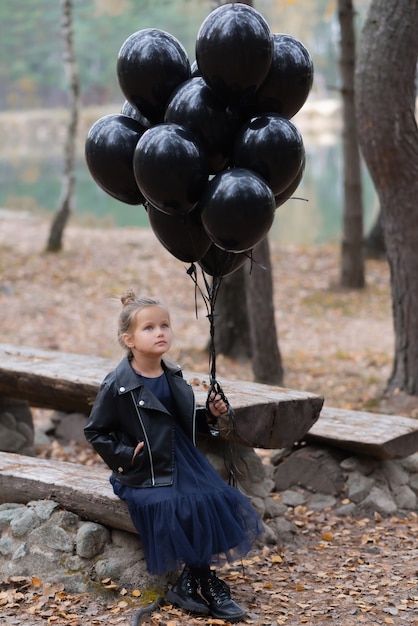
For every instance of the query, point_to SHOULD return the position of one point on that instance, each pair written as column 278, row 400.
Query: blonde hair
column 132, row 304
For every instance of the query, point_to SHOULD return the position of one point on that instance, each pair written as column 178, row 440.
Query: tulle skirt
column 198, row 521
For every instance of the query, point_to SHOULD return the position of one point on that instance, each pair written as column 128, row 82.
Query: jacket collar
column 127, row 379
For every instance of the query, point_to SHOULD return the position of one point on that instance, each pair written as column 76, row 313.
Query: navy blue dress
column 199, row 520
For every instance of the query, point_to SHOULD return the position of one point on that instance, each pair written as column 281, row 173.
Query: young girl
column 143, row 424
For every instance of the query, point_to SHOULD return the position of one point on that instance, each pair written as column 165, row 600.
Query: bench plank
column 77, row 488
column 374, row 434
column 266, row 416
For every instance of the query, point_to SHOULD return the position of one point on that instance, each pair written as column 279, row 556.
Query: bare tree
column 266, row 357
column 352, row 255
column 385, row 102
column 68, row 182
column 374, row 243
column 232, row 337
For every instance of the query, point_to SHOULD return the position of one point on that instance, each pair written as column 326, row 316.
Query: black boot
column 218, row 595
column 184, row 594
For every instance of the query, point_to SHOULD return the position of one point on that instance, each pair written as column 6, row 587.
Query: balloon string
column 191, row 271
column 209, row 299
column 215, row 389
column 253, row 261
column 291, row 198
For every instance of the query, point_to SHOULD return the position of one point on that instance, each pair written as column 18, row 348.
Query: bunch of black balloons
column 208, row 148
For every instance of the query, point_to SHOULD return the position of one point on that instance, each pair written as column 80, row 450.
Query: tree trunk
column 352, row 256
column 267, row 362
column 374, row 244
column 232, row 330
column 385, row 88
column 68, row 184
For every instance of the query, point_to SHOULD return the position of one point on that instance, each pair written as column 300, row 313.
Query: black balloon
column 195, row 106
column 234, row 50
column 217, row 262
column 237, row 209
column 289, row 80
column 271, row 146
column 182, row 235
column 287, row 193
column 170, row 168
column 109, row 151
column 194, row 70
column 151, row 64
column 129, row 110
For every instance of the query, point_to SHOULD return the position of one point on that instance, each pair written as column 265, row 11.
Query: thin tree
column 267, row 361
column 352, row 254
column 232, row 336
column 374, row 243
column 66, row 203
column 385, row 102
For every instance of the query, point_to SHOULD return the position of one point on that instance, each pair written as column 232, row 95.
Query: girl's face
column 151, row 334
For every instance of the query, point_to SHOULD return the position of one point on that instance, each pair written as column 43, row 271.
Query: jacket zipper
column 146, row 438
column 194, row 420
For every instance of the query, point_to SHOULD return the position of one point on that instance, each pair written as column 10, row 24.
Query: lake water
column 30, row 177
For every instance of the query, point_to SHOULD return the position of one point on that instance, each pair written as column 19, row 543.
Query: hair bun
column 128, row 297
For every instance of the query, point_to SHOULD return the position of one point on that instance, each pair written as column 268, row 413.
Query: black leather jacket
column 125, row 412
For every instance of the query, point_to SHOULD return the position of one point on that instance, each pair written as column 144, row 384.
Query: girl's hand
column 217, row 406
column 137, row 449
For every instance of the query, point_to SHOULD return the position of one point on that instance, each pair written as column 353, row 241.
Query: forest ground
column 333, row 342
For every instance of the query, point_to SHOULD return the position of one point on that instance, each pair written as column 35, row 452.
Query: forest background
column 33, row 86
column 34, row 101
column 31, row 74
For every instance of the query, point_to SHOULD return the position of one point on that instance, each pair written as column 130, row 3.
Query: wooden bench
column 378, row 435
column 267, row 417
column 77, row 488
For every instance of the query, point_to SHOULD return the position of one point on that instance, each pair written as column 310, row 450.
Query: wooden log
column 51, row 379
column 373, row 434
column 77, row 488
column 266, row 417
